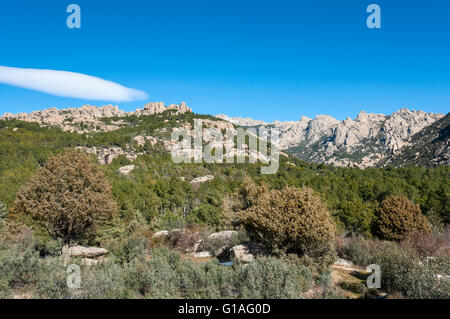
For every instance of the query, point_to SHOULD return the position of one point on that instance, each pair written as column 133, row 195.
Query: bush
column 290, row 220
column 68, row 197
column 105, row 281
column 184, row 239
column 402, row 269
column 133, row 247
column 207, row 281
column 398, row 218
column 19, row 262
column 272, row 278
column 4, row 289
column 156, row 277
column 51, row 280
column 427, row 245
column 51, row 248
column 207, row 214
column 361, row 251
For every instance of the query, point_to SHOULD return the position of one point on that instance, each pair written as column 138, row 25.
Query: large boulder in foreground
column 86, row 252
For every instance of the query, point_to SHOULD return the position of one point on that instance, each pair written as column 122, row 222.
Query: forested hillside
column 160, row 190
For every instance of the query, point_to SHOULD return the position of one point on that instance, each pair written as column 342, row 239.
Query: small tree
column 69, row 197
column 291, row 220
column 398, row 218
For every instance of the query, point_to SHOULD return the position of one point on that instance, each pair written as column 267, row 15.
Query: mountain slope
column 369, row 140
column 362, row 142
column 431, row 146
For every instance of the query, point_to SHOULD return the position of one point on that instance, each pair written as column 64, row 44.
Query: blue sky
column 264, row 59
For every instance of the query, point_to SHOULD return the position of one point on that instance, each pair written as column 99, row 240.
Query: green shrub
column 51, row 280
column 51, row 247
column 356, row 216
column 290, row 220
column 19, row 262
column 156, row 277
column 398, row 218
column 272, row 278
column 5, row 291
column 207, row 214
column 403, row 270
column 207, row 281
column 136, row 246
column 69, row 197
column 362, row 251
column 105, row 281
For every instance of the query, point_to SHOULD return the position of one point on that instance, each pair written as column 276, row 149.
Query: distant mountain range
column 369, row 140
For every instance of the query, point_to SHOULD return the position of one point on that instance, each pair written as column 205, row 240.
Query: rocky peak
column 70, row 119
column 327, row 140
column 159, row 107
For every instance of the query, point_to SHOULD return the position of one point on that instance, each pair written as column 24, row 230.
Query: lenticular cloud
column 69, row 84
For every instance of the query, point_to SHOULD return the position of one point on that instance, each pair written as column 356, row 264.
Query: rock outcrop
column 241, row 121
column 90, row 256
column 106, row 155
column 159, row 107
column 202, row 179
column 86, row 252
column 224, row 236
column 362, row 142
column 88, row 118
column 366, row 141
column 126, row 170
column 162, row 234
column 428, row 147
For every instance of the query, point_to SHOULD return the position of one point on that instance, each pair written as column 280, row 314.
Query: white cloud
column 69, row 84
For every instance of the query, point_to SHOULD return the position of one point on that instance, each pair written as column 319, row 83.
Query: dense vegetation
column 157, row 195
column 154, row 189
column 408, row 268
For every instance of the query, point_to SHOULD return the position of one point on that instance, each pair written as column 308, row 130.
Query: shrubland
column 394, row 217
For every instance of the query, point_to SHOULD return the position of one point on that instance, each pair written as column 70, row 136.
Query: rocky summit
column 88, row 118
column 363, row 142
column 369, row 140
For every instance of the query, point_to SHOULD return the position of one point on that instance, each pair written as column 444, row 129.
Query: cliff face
column 88, row 118
column 363, row 141
column 428, row 147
